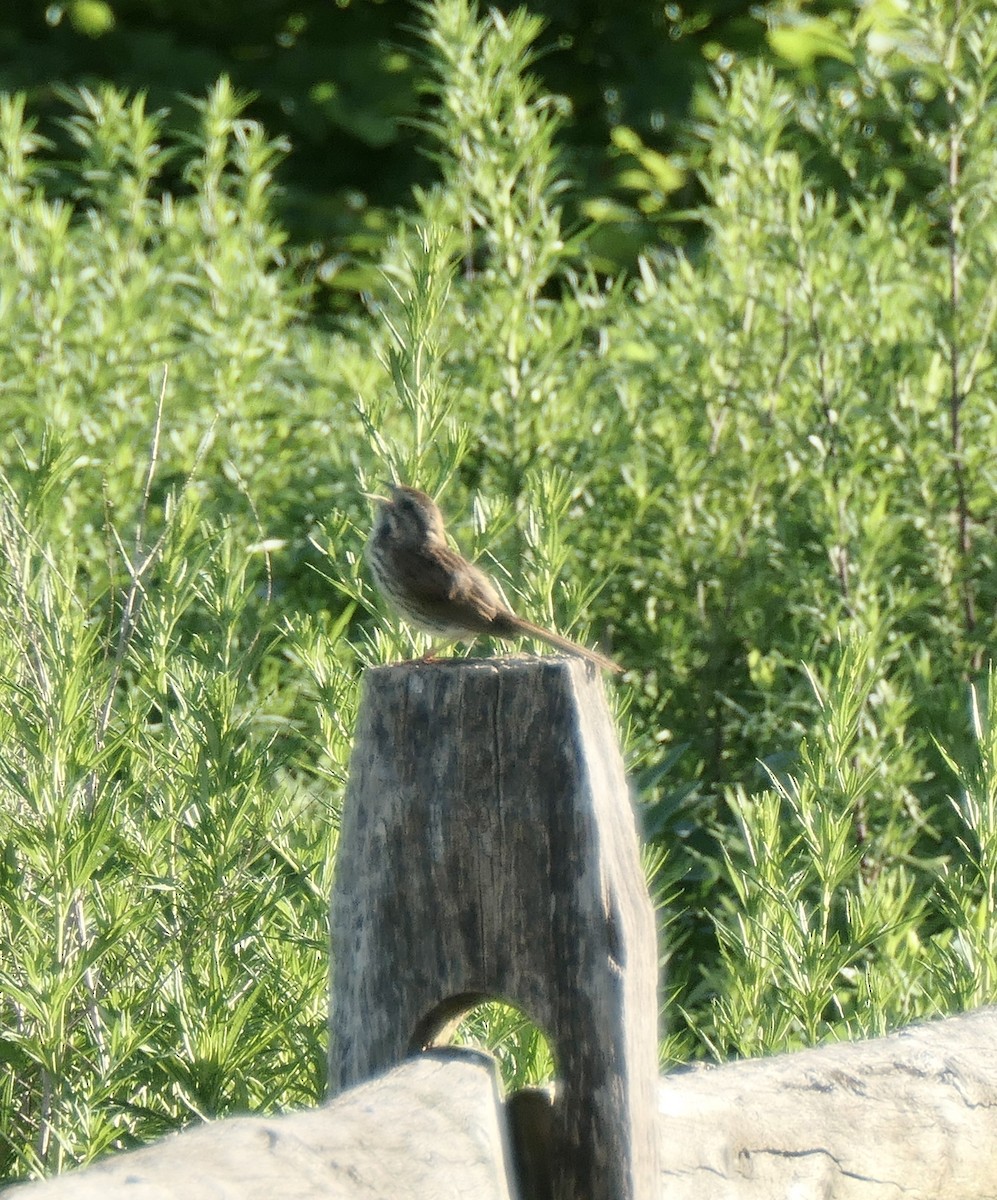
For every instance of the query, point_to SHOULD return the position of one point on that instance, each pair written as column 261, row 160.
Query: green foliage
column 345, row 83
column 816, row 937
column 163, row 888
column 969, row 888
column 761, row 474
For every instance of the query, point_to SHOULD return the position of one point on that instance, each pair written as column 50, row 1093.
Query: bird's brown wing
column 446, row 580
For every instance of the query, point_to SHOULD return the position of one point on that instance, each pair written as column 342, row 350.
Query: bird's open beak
column 377, row 498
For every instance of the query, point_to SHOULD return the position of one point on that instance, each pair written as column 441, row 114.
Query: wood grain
column 911, row 1115
column 489, row 849
column 433, row 1128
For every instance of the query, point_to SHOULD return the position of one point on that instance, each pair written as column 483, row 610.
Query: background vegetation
column 761, row 470
column 346, row 83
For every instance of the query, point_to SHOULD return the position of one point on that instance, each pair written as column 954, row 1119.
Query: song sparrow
column 437, row 590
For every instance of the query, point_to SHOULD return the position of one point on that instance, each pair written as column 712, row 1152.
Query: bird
column 436, row 589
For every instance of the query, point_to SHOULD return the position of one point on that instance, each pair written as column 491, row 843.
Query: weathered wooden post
column 489, row 851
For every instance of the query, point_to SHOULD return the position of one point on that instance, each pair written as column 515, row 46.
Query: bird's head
column 408, row 517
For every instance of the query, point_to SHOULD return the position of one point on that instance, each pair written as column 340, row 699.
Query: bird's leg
column 433, row 653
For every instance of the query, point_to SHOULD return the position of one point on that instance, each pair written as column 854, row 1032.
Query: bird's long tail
column 518, row 625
